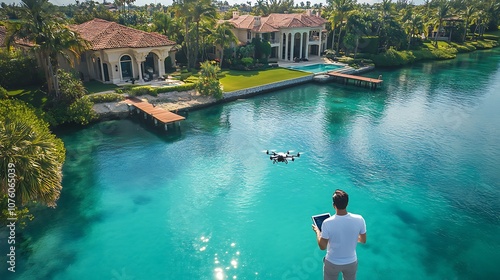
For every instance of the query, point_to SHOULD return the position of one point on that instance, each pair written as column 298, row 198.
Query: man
column 340, row 234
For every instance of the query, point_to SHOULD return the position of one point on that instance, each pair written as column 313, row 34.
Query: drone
column 281, row 157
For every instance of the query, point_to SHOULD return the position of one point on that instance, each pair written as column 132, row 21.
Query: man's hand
column 322, row 243
column 316, row 229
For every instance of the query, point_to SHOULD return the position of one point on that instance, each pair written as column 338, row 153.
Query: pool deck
column 312, row 61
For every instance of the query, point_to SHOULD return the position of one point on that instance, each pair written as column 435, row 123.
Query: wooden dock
column 158, row 115
column 368, row 82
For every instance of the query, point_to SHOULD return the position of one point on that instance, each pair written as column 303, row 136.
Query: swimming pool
column 317, row 68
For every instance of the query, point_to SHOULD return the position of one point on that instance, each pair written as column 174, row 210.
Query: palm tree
column 201, row 9
column 443, row 9
column 35, row 154
column 357, row 27
column 261, row 8
column 469, row 11
column 49, row 36
column 413, row 23
column 224, row 37
column 332, row 18
column 341, row 8
column 182, row 11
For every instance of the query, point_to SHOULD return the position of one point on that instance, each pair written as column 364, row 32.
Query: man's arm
column 362, row 238
column 322, row 243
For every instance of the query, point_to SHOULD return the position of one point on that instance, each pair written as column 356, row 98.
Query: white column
column 286, row 47
column 293, row 45
column 280, row 47
column 301, row 44
column 161, row 68
column 307, row 45
column 320, row 35
column 141, row 80
column 172, row 58
column 102, row 70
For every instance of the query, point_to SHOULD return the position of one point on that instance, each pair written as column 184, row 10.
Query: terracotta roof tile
column 103, row 34
column 274, row 22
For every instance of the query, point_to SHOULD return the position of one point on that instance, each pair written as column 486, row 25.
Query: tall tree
column 50, row 37
column 341, row 8
column 412, row 22
column 357, row 27
column 468, row 12
column 201, row 9
column 224, row 37
column 442, row 11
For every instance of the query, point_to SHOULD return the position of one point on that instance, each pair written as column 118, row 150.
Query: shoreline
column 191, row 100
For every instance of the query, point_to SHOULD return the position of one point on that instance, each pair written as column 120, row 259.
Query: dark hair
column 340, row 199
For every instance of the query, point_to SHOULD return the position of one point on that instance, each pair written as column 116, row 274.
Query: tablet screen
column 318, row 219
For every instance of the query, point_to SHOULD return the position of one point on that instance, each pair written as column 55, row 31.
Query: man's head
column 340, row 199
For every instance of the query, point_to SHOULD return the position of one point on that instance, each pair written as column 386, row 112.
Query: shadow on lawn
column 31, row 95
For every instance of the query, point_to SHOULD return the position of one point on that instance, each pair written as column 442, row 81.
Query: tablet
column 318, row 219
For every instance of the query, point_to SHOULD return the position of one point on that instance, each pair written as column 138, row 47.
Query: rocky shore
column 189, row 100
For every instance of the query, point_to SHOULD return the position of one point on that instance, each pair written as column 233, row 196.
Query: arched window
column 126, row 66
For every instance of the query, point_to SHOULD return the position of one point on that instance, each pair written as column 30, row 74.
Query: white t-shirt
column 342, row 234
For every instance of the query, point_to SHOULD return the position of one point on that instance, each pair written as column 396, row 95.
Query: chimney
column 236, row 14
column 309, row 12
column 256, row 21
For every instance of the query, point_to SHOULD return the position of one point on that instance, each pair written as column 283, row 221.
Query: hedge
column 142, row 90
column 392, row 58
column 184, row 87
column 105, row 97
column 154, row 91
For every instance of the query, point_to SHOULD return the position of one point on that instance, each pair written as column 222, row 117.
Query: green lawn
column 236, row 80
column 95, row 86
column 31, row 95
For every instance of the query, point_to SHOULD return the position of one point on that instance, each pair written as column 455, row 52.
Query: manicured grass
column 31, row 95
column 236, row 80
column 95, row 86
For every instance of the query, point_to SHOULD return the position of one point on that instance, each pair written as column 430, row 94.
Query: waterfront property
column 121, row 54
column 291, row 35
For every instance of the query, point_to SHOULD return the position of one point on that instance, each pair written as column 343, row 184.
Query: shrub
column 208, row 83
column 70, row 87
column 447, row 53
column 184, row 87
column 141, row 90
column 184, row 76
column 463, row 48
column 3, row 93
column 247, row 61
column 393, row 58
column 105, row 97
column 18, row 70
column 81, row 111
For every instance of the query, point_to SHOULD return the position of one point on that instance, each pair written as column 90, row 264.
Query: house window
column 249, row 35
column 126, row 66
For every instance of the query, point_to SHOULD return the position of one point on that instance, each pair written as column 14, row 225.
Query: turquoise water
column 419, row 157
column 317, row 68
